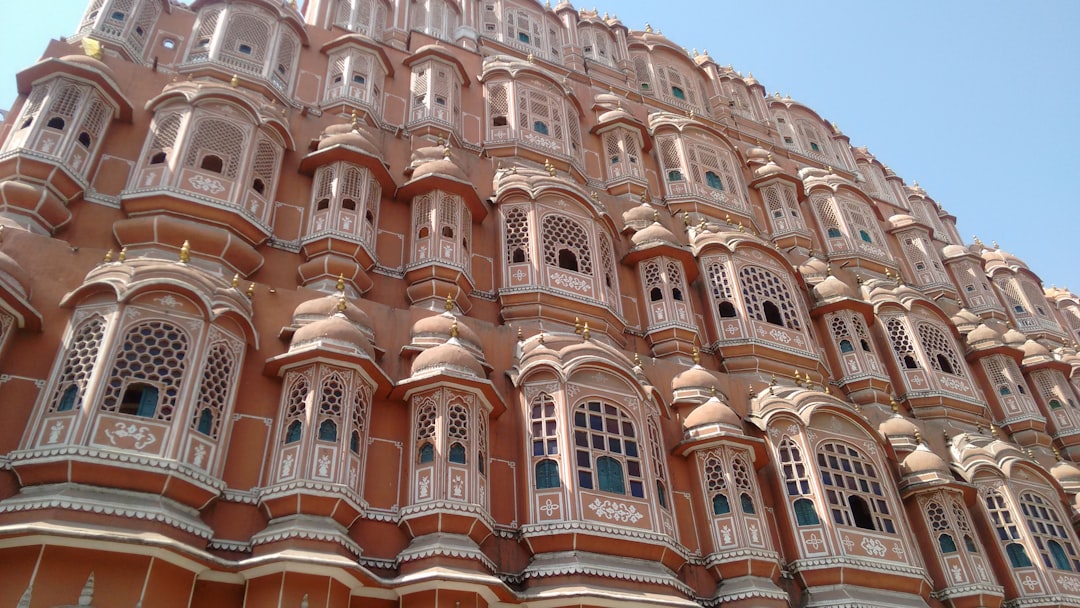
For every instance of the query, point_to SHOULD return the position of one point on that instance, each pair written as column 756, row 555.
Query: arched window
column 1050, row 532
column 726, row 310
column 140, row 399
column 901, row 342
column 939, row 348
column 328, row 430
column 516, row 235
column 713, row 180
column 78, row 365
column 1018, row 556
column 426, row 453
column 547, row 474
column 148, row 371
column 720, row 505
column 605, row 440
column 846, row 347
column 767, row 297
column 566, row 242
column 457, row 454
column 294, row 432
column 855, row 494
column 946, row 543
column 805, row 513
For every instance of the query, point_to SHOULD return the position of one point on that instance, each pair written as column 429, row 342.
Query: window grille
column 606, row 449
column 425, row 422
column 201, row 42
column 90, row 17
column 716, row 486
column 1052, row 539
column 517, row 236
column 760, row 286
column 154, row 352
column 853, row 490
column 265, row 166
column 78, row 365
column 902, row 344
column 561, row 233
column 796, row 477
column 939, row 350
column 218, row 138
column 214, row 395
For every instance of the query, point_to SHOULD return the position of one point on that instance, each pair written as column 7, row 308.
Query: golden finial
column 448, row 305
column 712, row 390
column 695, row 52
column 656, row 216
column 637, row 360
column 828, row 270
column 577, row 325
column 541, row 336
column 341, row 303
column 585, row 332
column 701, row 226
column 354, row 121
column 945, row 434
column 235, row 280
column 690, row 114
column 894, row 405
column 977, row 241
column 995, row 245
column 830, row 169
column 772, row 384
column 648, row 28
column 251, row 290
column 827, row 391
column 446, row 153
column 93, row 48
column 454, row 328
column 696, row 356
column 1, row 233
column 993, row 430
column 550, row 167
column 1029, row 453
column 341, row 282
column 810, row 252
column 123, row 255
column 530, row 58
column 741, row 227
column 108, row 256
column 918, row 437
column 686, row 218
column 520, row 336
column 1056, row 451
column 770, row 157
column 185, row 252
column 234, row 81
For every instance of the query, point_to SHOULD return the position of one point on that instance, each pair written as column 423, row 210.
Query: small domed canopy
column 450, row 357
column 654, row 233
column 897, row 426
column 336, row 329
column 922, row 460
column 84, row 68
column 983, row 337
column 813, row 267
column 965, row 320
column 695, row 378
column 352, row 135
column 438, row 168
column 1014, row 338
column 833, row 288
column 15, row 293
column 640, row 216
column 712, row 412
column 318, row 309
column 352, row 142
column 440, row 327
column 1067, row 474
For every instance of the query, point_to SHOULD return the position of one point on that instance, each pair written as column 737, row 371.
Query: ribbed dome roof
column 319, row 308
column 712, row 411
column 335, row 328
column 922, row 460
column 653, row 233
column 89, row 62
column 353, row 136
column 1032, row 348
column 1066, row 472
column 983, row 336
column 696, row 377
column 436, row 160
column 1014, row 338
column 449, row 356
column 896, row 426
column 643, row 214
column 833, row 288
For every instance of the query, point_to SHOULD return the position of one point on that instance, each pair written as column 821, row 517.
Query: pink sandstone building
column 388, row 303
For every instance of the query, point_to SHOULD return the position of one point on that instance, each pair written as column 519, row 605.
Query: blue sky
column 971, row 98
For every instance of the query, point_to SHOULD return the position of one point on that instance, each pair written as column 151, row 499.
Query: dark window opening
column 498, row 121
column 713, row 181
column 1018, row 557
column 517, row 256
column 323, row 204
column 327, row 430
column 946, row 543
column 865, row 345
column 568, row 260
column 258, row 186
column 540, row 127
column 944, row 364
column 359, row 79
column 661, row 495
column 674, row 176
column 348, row 204
column 727, row 310
column 676, row 294
column 427, row 453
column 747, row 504
column 140, row 400
column 805, row 514
column 244, row 48
column 860, row 512
column 292, row 434
column 815, row 147
column 1055, row 404
column 834, row 233
column 55, row 123
column 678, row 93
column 202, row 43
column 69, row 399
column 1061, row 561
column 969, row 544
column 448, row 232
column 846, row 347
column 523, row 37
column 354, row 442
column 26, row 123
column 720, row 505
column 457, row 454
column 369, row 217
column 205, row 424
column 610, row 473
column 84, row 139
column 864, row 235
column 212, row 163
column 547, row 474
column 656, row 294
column 117, row 16
column 772, row 313
column 1004, row 391
column 158, row 158
column 909, row 362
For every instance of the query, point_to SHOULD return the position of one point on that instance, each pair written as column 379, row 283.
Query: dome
column 335, row 328
column 965, row 320
column 641, row 215
column 440, row 166
column 616, row 114
column 1013, row 338
column 696, row 377
column 983, row 336
column 1032, row 348
column 953, row 251
column 712, row 411
column 1066, row 473
column 813, row 267
column 450, row 355
column 901, row 219
column 897, row 426
column 350, row 135
column 90, row 62
column 442, row 326
column 320, row 308
column 922, row 460
column 833, row 288
column 652, row 233
column 769, row 168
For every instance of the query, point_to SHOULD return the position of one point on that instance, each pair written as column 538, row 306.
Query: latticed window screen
column 93, row 123
column 642, row 72
column 332, row 400
column 741, row 474
column 367, row 17
column 90, row 16
column 607, row 261
column 606, row 450
column 498, row 104
column 560, row 233
column 215, row 390
column 265, row 165
column 359, row 415
column 902, row 344
column 285, row 59
column 1052, row 388
column 165, row 130
column 939, row 349
column 425, row 431
column 716, row 487
column 457, row 432
column 516, row 234
column 144, row 24
column 761, row 286
column 435, row 18
column 154, row 353
column 213, row 137
column 64, row 102
column 828, row 216
column 1001, row 517
column 245, row 43
column 796, row 476
column 204, row 34
column 544, row 426
column 597, row 45
column 78, row 365
column 674, row 85
column 720, row 287
column 1052, row 538
column 713, row 168
column 782, row 209
column 855, row 494
column 659, row 463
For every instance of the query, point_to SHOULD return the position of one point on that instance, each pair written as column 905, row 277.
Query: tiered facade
column 373, row 303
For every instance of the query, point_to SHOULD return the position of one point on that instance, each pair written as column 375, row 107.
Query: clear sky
column 974, row 99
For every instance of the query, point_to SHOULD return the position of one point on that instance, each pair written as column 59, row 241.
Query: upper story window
column 367, row 17
column 345, row 202
column 128, row 23
column 436, row 18
column 665, row 290
column 607, row 450
column 598, row 45
column 671, row 81
column 853, row 343
column 442, row 229
column 939, row 349
column 355, row 76
column 701, row 167
column 245, row 39
column 849, row 226
column 853, row 490
column 797, row 482
column 436, row 94
column 623, row 154
column 923, row 259
column 534, row 113
column 783, row 209
column 1026, row 303
column 528, row 31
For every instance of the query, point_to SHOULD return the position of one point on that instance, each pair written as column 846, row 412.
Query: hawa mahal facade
column 382, row 304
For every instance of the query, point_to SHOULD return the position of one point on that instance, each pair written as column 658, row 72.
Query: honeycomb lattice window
column 939, row 350
column 165, row 130
column 828, row 216
column 716, row 485
column 217, row 138
column 561, row 234
column 1052, row 538
column 296, row 398
column 855, row 494
column 155, row 353
column 721, row 288
column 265, row 166
column 762, row 288
column 902, row 343
column 216, row 389
column 516, row 235
column 332, row 395
column 425, row 421
column 78, row 365
column 457, row 422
